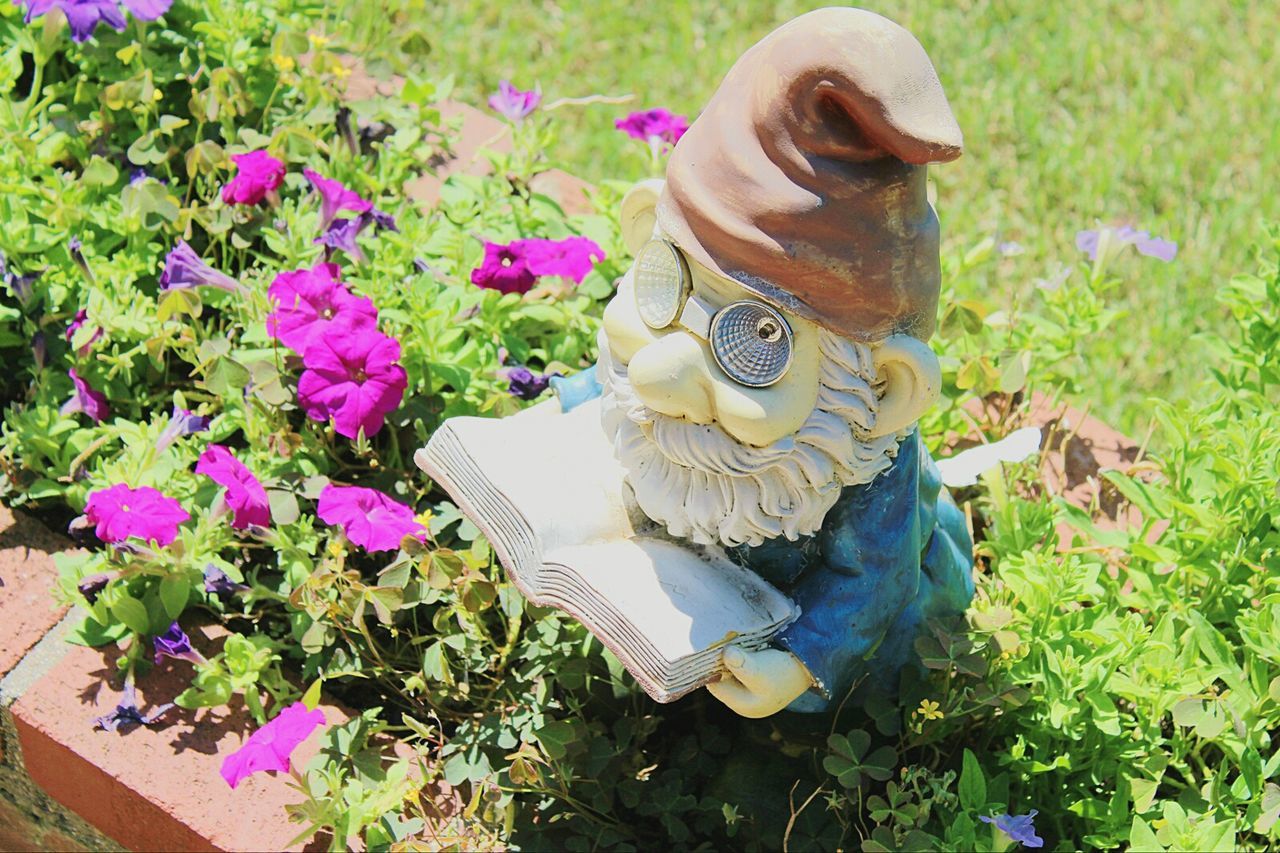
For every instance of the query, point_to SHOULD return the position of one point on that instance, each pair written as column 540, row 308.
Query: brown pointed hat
column 804, row 177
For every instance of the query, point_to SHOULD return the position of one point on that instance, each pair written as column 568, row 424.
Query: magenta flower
column 334, row 197
column 654, row 126
column 77, row 322
column 181, row 423
column 352, row 377
column 1153, row 247
column 126, row 715
column 245, row 495
column 308, row 301
column 174, row 643
column 368, row 518
column 83, row 16
column 269, row 747
column 504, row 269
column 120, row 513
column 257, row 173
column 85, row 399
column 513, row 103
column 184, row 269
column 572, row 257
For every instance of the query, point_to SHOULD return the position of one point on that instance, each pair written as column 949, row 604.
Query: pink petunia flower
column 245, row 495
column 269, row 747
column 572, row 257
column 257, row 173
column 78, row 322
column 352, row 378
column 658, row 125
column 504, row 269
column 334, row 197
column 515, row 267
column 308, row 301
column 514, row 103
column 85, row 399
column 121, row 513
column 367, row 517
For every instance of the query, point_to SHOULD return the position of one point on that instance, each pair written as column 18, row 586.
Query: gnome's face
column 737, row 420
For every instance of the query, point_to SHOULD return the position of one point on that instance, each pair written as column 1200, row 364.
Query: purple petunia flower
column 341, row 233
column 269, row 747
column 1017, row 827
column 217, row 582
column 39, row 350
column 308, row 301
column 352, row 378
column 367, row 517
column 120, row 513
column 1153, row 247
column 127, row 714
column 257, row 174
column 184, row 269
column 341, row 236
column 93, row 585
column 654, row 126
column 147, row 10
column 174, row 643
column 85, row 399
column 524, row 384
column 181, row 423
column 514, row 103
column 83, row 16
column 245, row 495
column 19, row 284
column 334, row 197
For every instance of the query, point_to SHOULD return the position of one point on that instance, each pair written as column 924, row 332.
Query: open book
column 545, row 488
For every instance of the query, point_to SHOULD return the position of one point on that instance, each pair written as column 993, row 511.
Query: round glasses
column 750, row 340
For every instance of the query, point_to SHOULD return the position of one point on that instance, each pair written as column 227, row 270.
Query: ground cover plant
column 227, row 329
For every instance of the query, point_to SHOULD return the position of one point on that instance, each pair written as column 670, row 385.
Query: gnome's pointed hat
column 804, row 177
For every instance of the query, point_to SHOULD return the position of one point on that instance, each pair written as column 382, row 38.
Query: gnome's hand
column 760, row 683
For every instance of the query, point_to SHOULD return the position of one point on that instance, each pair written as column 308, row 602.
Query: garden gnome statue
column 764, row 361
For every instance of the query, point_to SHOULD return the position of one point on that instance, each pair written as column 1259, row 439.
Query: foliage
column 1125, row 683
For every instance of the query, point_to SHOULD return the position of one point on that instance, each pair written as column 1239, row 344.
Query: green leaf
column 226, row 376
column 174, row 591
column 99, row 173
column 284, row 506
column 174, row 303
column 93, row 634
column 312, row 697
column 132, row 612
column 555, row 737
column 973, row 784
column 1142, row 839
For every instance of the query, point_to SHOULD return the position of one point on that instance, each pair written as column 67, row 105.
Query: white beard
column 704, row 485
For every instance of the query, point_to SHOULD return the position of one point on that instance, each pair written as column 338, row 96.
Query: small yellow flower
column 341, row 71
column 282, row 62
column 317, row 40
column 930, row 710
column 336, row 547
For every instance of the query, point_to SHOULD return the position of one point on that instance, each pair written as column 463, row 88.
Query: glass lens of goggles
column 750, row 340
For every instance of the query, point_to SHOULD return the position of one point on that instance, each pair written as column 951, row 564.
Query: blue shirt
column 891, row 555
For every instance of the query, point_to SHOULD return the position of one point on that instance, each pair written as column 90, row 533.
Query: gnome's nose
column 670, row 376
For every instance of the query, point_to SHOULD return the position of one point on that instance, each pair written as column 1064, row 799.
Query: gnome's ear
column 913, row 381
column 638, row 216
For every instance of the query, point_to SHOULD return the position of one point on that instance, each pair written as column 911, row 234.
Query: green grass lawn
column 1158, row 114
